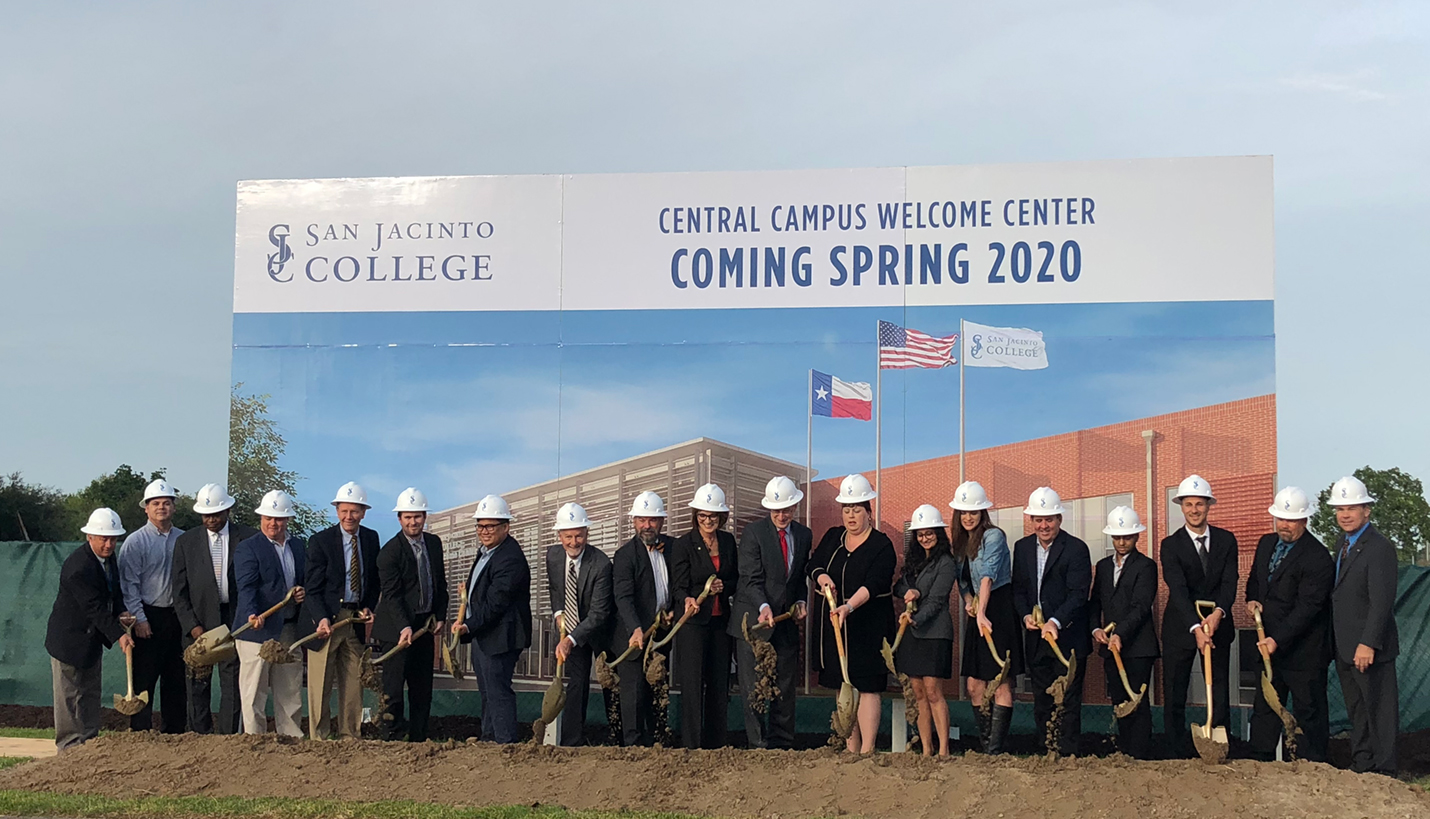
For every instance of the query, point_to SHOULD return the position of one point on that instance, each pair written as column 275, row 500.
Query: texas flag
column 833, row 398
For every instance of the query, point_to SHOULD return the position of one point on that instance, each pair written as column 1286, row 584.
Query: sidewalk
column 14, row 746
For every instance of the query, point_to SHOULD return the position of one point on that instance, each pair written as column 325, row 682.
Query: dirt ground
column 726, row 783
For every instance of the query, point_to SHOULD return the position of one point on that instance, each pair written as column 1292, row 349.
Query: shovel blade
column 1211, row 747
column 845, row 709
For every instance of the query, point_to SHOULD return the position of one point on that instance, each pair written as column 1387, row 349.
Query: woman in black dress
column 989, row 577
column 857, row 561
column 926, row 652
column 703, row 647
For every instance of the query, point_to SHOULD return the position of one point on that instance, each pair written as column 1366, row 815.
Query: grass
column 1423, row 783
column 28, row 803
column 12, row 761
column 28, row 733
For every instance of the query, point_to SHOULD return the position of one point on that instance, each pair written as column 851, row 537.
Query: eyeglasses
column 489, row 527
column 707, row 516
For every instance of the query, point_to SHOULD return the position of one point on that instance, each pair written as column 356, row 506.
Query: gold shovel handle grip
column 1261, row 635
column 1052, row 641
column 626, row 655
column 699, row 601
column 334, row 627
column 427, row 626
column 287, row 598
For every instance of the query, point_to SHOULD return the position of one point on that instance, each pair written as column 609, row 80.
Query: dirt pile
column 728, row 783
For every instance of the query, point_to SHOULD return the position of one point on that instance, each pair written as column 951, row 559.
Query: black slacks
column 638, row 720
column 1373, row 704
column 1307, row 701
column 1134, row 731
column 411, row 667
column 1042, row 667
column 578, row 693
column 159, row 667
column 1177, row 665
column 780, row 733
column 201, row 719
column 702, row 657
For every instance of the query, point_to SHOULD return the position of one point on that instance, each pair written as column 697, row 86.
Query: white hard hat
column 855, row 489
column 926, row 517
column 1044, row 502
column 1123, row 520
column 709, row 498
column 1194, row 486
column 103, row 522
column 492, row 507
column 350, row 492
column 158, row 489
column 411, row 500
column 571, row 516
column 1349, row 491
column 647, row 505
column 781, row 493
column 276, row 504
column 1292, row 504
column 970, row 497
column 211, row 499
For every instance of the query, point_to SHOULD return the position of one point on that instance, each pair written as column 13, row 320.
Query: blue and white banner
column 1016, row 347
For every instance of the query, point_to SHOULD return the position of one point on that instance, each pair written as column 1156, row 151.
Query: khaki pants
column 76, row 698
column 338, row 662
column 257, row 676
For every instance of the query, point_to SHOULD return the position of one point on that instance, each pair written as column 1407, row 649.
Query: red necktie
column 784, row 550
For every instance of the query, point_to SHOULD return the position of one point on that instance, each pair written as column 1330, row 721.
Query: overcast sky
column 126, row 127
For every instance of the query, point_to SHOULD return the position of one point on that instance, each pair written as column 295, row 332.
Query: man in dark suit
column 772, row 554
column 413, row 580
column 205, row 595
column 342, row 584
column 1199, row 562
column 578, row 579
column 498, row 622
column 266, row 567
column 1290, row 586
column 1124, row 587
column 1363, row 625
column 640, row 581
column 84, row 622
column 1053, row 570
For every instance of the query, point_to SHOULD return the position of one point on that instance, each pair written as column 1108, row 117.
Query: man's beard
column 649, row 538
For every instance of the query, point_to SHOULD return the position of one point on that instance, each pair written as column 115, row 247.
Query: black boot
column 985, row 727
column 998, row 732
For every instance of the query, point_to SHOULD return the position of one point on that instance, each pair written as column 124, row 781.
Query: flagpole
column 878, row 423
column 809, row 454
column 962, row 362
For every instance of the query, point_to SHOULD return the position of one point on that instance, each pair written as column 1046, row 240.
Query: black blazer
column 1067, row 576
column 196, row 599
column 499, row 601
column 1128, row 603
column 1187, row 583
column 1296, row 601
column 690, row 564
column 633, row 586
column 1363, row 602
column 85, row 618
column 763, row 580
column 327, row 573
column 402, row 589
column 593, row 594
column 932, row 620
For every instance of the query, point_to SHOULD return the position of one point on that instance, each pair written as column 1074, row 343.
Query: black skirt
column 924, row 658
column 977, row 661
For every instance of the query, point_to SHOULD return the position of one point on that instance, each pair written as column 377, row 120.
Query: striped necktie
column 216, row 555
column 355, row 571
column 571, row 615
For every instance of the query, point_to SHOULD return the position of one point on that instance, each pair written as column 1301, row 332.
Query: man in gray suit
column 1363, row 627
column 578, row 579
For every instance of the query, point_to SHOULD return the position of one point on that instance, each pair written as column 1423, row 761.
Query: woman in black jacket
column 926, row 652
column 703, row 647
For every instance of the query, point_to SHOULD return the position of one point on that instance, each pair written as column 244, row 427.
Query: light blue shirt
column 1354, row 536
column 484, row 556
column 145, row 564
column 992, row 561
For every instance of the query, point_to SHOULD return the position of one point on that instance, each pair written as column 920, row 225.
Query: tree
column 33, row 512
column 1401, row 512
column 123, row 491
column 255, row 447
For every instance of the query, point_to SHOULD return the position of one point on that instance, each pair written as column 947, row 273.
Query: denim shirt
column 992, row 562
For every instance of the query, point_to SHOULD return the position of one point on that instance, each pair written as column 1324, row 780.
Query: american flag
column 903, row 349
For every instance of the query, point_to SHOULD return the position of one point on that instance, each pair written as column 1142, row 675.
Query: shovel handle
column 669, row 635
column 287, row 598
column 1117, row 658
column 302, row 641
column 461, row 616
column 626, row 655
column 427, row 626
column 909, row 608
column 1261, row 635
column 1052, row 641
column 838, row 632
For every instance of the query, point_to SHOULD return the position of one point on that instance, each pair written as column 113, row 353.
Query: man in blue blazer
column 267, row 566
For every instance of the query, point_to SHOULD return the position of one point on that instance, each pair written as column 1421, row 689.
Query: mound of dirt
column 727, row 783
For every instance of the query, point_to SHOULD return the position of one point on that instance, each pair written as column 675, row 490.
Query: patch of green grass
column 30, row 803
column 28, row 733
column 1423, row 783
column 12, row 761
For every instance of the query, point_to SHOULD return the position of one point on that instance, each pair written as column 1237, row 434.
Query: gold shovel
column 1288, row 722
column 630, row 649
column 848, row 701
column 1210, row 741
column 554, row 700
column 911, row 700
column 670, row 635
column 129, row 705
column 450, row 645
column 1124, row 709
column 217, row 644
column 1059, row 688
column 1004, row 663
column 275, row 652
column 888, row 650
column 766, row 660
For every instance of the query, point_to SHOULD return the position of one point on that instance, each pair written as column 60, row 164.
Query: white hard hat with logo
column 211, row 499
column 855, row 489
column 1044, row 502
column 1291, row 503
column 781, row 493
column 1122, row 521
column 351, row 492
column 970, row 497
column 276, row 504
column 158, row 489
column 411, row 499
column 1194, row 486
column 709, row 498
column 492, row 507
column 103, row 522
column 1349, row 491
column 647, row 505
column 926, row 517
column 571, row 516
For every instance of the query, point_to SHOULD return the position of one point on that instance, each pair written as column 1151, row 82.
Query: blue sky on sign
column 126, row 127
column 462, row 404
